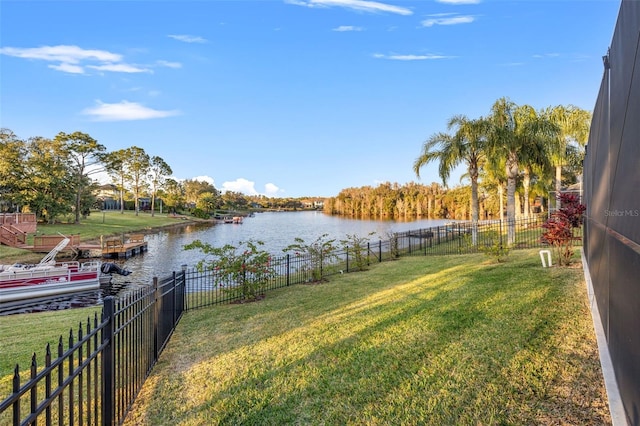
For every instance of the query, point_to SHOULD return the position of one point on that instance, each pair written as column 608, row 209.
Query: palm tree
column 494, row 180
column 573, row 124
column 466, row 145
column 517, row 132
column 534, row 153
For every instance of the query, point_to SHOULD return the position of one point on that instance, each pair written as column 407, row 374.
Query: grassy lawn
column 23, row 335
column 109, row 223
column 422, row 340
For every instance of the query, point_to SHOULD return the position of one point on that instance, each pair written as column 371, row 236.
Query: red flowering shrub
column 558, row 229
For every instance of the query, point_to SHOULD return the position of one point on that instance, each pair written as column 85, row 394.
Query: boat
column 234, row 219
column 51, row 278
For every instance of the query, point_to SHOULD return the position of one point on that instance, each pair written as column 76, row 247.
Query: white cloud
column 61, row 53
column 74, row 59
column 459, row 1
column 343, row 28
column 270, row 189
column 125, row 111
column 187, row 38
column 119, row 68
column 68, row 68
column 547, row 55
column 207, row 179
column 240, row 185
column 449, row 20
column 410, row 57
column 359, row 5
column 169, row 64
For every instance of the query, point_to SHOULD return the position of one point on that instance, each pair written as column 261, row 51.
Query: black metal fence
column 205, row 288
column 97, row 378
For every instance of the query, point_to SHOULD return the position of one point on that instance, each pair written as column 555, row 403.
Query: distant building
column 313, row 204
column 108, row 197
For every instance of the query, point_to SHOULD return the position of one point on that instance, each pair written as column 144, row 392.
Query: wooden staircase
column 14, row 228
column 12, row 236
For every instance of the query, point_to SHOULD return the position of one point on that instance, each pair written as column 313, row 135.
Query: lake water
column 276, row 229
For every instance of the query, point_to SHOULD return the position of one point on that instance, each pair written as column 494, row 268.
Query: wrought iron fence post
column 346, row 250
column 108, row 362
column 184, row 291
column 16, row 389
column 175, row 290
column 379, row 251
column 156, row 317
column 288, row 269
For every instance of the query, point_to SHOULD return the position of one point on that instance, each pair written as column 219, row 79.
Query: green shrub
column 357, row 247
column 494, row 246
column 244, row 270
column 320, row 252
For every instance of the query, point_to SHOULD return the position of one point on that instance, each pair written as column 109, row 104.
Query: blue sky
column 290, row 98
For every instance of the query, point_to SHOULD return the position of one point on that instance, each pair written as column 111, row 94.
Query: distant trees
column 12, row 169
column 48, row 185
column 193, row 188
column 408, row 201
column 173, row 192
column 115, row 164
column 52, row 177
column 84, row 152
column 159, row 170
column 137, row 166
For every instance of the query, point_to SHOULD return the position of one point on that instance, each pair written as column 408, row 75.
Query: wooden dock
column 116, row 248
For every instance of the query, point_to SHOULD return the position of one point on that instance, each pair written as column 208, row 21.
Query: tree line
column 515, row 154
column 55, row 177
column 405, row 202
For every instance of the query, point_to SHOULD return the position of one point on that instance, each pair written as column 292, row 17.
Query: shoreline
column 27, row 256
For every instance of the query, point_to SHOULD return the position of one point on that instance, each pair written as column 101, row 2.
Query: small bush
column 494, row 246
column 358, row 248
column 200, row 214
column 321, row 253
column 243, row 270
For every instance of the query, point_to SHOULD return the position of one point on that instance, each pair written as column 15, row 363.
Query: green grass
column 109, row 223
column 97, row 224
column 25, row 334
column 423, row 340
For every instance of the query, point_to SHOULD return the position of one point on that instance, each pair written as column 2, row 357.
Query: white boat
column 50, row 278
